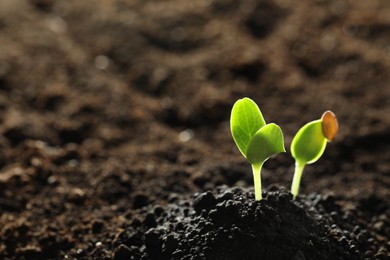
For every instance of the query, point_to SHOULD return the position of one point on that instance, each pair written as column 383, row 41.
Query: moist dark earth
column 115, row 139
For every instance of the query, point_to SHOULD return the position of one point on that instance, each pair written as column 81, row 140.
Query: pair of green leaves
column 256, row 140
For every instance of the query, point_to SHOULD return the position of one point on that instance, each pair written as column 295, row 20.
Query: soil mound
column 230, row 224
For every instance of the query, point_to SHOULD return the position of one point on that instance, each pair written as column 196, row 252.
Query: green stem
column 297, row 178
column 256, row 169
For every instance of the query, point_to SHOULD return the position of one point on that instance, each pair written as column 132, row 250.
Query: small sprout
column 309, row 144
column 256, row 140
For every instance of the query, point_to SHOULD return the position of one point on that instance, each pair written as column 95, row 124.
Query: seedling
column 256, row 140
column 309, row 144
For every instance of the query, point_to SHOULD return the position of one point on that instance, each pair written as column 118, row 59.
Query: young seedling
column 309, row 144
column 256, row 140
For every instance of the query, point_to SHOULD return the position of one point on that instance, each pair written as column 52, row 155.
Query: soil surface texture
column 115, row 138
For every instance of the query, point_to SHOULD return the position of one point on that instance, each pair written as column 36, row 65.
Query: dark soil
column 233, row 226
column 115, row 140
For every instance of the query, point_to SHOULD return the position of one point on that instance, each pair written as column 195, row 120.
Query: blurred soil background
column 109, row 106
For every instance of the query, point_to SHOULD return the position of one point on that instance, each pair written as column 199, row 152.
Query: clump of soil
column 231, row 225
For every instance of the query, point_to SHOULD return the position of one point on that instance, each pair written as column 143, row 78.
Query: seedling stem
column 257, row 180
column 297, row 178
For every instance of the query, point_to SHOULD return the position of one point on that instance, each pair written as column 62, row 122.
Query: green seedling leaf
column 255, row 140
column 246, row 119
column 267, row 142
column 309, row 144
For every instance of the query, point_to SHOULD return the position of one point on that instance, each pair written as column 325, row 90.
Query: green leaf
column 309, row 143
column 246, row 119
column 266, row 142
